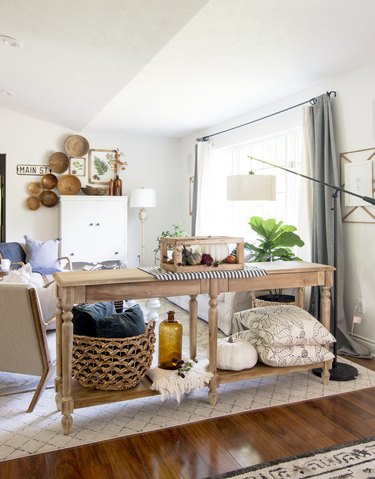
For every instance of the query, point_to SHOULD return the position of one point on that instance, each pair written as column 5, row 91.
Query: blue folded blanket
column 101, row 320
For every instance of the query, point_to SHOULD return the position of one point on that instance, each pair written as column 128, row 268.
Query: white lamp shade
column 251, row 187
column 143, row 198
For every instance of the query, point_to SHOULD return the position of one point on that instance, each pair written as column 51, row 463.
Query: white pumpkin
column 218, row 252
column 235, row 354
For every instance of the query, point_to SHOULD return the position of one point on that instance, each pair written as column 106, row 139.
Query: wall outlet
column 360, row 306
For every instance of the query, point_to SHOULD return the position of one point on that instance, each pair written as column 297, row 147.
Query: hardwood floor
column 202, row 449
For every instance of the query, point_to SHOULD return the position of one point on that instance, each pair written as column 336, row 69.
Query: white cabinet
column 93, row 228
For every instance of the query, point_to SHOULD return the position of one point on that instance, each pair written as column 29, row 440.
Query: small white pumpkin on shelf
column 217, row 251
column 235, row 354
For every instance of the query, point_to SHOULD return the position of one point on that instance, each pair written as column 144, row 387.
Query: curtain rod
column 312, row 101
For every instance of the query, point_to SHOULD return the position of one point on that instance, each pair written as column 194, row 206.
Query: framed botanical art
column 358, row 173
column 101, row 166
column 77, row 166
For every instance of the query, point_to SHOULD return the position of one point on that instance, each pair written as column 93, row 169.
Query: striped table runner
column 247, row 272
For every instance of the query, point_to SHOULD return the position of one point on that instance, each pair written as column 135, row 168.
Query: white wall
column 152, row 162
column 355, row 129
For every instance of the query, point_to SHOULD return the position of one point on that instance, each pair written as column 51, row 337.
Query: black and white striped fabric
column 247, row 272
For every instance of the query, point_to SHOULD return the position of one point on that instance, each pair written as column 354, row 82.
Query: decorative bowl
column 58, row 162
column 90, row 190
column 69, row 185
column 76, row 146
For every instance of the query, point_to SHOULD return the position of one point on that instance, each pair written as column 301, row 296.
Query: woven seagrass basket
column 113, row 364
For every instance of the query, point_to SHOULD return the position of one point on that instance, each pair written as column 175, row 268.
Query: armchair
column 19, row 255
column 25, row 345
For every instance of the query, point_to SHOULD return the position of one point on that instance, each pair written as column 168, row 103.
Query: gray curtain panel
column 325, row 167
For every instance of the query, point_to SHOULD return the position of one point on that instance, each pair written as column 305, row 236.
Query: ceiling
column 169, row 67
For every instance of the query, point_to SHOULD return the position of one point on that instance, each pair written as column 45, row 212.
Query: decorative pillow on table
column 122, row 325
column 297, row 355
column 284, row 325
column 86, row 317
column 42, row 254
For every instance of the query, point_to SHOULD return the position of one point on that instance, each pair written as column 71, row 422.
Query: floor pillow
column 284, row 325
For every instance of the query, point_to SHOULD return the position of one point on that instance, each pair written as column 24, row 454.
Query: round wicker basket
column 113, row 364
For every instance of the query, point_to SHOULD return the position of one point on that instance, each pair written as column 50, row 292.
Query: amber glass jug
column 170, row 342
column 117, row 186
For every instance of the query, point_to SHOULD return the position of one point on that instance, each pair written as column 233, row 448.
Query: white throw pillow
column 284, row 325
column 285, row 356
column 47, row 295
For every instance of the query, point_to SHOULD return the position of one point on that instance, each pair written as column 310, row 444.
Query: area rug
column 23, row 434
column 355, row 460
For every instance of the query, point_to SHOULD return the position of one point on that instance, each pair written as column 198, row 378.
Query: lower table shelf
column 261, row 370
column 84, row 397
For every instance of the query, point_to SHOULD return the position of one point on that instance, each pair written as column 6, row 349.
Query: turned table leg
column 67, row 403
column 326, row 315
column 193, row 315
column 58, row 378
column 212, row 335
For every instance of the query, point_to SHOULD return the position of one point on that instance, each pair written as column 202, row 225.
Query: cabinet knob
column 97, row 224
column 91, row 224
column 71, row 254
column 116, row 252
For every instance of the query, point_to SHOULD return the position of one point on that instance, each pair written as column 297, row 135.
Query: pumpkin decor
column 191, row 257
column 217, row 251
column 235, row 354
column 231, row 259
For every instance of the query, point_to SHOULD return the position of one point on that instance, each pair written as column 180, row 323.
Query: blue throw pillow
column 122, row 325
column 86, row 316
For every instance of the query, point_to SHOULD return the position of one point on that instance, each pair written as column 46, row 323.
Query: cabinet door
column 94, row 230
column 110, row 220
column 77, row 229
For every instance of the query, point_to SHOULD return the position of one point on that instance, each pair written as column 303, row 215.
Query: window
column 231, row 217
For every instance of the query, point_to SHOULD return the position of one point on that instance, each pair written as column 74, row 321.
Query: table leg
column 193, row 315
column 58, row 379
column 212, row 356
column 326, row 321
column 67, row 403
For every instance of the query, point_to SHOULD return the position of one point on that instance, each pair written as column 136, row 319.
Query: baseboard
column 370, row 344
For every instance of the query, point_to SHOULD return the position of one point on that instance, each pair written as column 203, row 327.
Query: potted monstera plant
column 274, row 243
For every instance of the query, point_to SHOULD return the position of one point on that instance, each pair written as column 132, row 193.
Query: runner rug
column 23, row 434
column 354, row 460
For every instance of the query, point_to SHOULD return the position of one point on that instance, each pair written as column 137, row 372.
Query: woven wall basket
column 113, row 364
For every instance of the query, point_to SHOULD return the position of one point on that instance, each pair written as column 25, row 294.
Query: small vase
column 170, row 342
column 110, row 187
column 117, row 186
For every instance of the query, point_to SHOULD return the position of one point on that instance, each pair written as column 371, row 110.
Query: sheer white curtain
column 215, row 215
column 205, row 196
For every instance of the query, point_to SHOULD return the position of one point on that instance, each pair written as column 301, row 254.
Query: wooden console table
column 107, row 285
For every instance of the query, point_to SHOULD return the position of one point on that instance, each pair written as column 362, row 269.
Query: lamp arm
column 337, row 188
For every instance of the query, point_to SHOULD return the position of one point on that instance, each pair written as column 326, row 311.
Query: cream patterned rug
column 354, row 460
column 23, row 434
